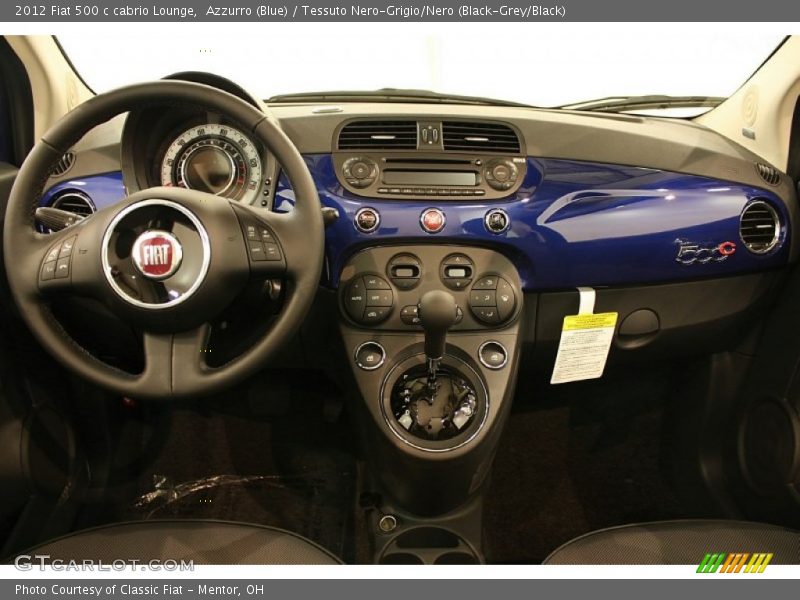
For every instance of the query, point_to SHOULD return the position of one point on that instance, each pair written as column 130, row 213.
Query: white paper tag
column 585, row 341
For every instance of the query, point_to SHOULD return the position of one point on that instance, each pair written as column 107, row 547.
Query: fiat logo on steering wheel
column 157, row 254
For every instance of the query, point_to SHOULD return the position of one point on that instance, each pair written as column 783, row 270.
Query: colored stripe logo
column 736, row 562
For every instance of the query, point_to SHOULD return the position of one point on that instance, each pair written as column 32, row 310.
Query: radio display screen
column 445, row 178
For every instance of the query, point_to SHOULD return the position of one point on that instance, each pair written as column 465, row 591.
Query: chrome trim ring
column 201, row 231
column 371, row 367
column 484, row 363
column 496, row 211
column 422, row 220
column 367, row 229
column 778, row 226
column 403, row 438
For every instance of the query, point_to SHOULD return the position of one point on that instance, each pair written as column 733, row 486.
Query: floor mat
column 231, row 459
column 586, row 457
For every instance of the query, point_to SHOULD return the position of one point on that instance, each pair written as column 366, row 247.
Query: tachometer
column 213, row 158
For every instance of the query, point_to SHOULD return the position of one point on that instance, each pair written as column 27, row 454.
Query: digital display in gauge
column 214, row 158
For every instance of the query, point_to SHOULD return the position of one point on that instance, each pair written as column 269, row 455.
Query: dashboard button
column 496, row 221
column 458, row 284
column 506, row 302
column 379, row 298
column 376, row 283
column 367, row 220
column 432, row 220
column 486, row 314
column 486, row 283
column 355, row 300
column 482, row 298
column 370, row 355
column 493, row 355
column 251, row 232
column 375, row 314
column 410, row 315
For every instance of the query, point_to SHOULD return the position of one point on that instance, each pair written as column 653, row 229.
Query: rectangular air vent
column 466, row 136
column 378, row 135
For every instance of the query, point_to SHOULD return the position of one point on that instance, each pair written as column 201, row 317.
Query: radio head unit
column 379, row 175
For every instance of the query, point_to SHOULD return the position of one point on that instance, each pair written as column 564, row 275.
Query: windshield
column 504, row 61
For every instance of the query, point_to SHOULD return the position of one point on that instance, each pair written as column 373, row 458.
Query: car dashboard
column 679, row 229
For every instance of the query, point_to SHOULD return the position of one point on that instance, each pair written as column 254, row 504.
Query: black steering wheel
column 166, row 260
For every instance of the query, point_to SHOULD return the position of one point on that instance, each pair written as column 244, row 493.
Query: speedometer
column 213, row 158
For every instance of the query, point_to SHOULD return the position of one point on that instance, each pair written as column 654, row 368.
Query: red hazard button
column 432, row 220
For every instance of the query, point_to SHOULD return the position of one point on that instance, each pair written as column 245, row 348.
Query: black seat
column 677, row 543
column 204, row 542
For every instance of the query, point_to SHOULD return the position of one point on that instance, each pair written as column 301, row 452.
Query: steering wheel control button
column 370, row 356
column 492, row 300
column 52, row 254
column 256, row 251
column 355, row 300
column 409, row 315
column 367, row 220
column 157, row 254
column 457, row 271
column 432, row 220
column 48, row 271
column 66, row 247
column 272, row 251
column 492, row 355
column 404, row 270
column 62, row 268
column 496, row 221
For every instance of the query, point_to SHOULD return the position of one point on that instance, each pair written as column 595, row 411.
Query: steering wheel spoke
column 173, row 360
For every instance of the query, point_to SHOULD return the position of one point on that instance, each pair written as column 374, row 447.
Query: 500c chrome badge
column 690, row 253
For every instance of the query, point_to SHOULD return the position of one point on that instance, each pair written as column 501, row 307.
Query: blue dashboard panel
column 103, row 190
column 572, row 224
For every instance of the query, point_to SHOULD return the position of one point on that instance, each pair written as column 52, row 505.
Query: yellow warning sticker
column 583, row 348
column 590, row 321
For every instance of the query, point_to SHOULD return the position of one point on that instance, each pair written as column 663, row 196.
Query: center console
column 432, row 335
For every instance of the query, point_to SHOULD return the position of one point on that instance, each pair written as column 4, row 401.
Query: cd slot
column 427, row 161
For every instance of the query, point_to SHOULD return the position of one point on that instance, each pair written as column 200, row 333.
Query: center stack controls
column 381, row 287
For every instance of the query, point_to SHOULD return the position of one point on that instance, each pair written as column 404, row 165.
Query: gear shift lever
column 437, row 313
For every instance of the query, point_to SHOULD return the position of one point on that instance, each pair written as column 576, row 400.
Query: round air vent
column 75, row 202
column 63, row 165
column 759, row 227
column 769, row 174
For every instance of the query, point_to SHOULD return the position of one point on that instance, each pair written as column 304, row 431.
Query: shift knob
column 437, row 314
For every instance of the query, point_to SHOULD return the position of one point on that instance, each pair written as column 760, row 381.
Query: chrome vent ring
column 759, row 227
